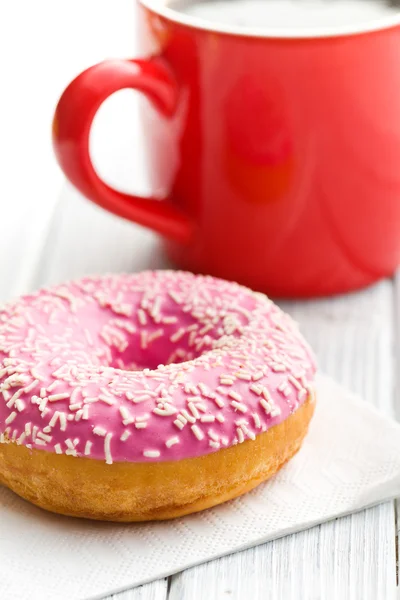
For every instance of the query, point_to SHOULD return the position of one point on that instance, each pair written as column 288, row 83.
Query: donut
column 148, row 396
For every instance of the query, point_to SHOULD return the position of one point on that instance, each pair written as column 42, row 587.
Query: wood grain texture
column 354, row 339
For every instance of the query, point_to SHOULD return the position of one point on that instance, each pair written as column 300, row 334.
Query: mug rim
column 160, row 8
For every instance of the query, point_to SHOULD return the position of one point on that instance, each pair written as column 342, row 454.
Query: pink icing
column 156, row 366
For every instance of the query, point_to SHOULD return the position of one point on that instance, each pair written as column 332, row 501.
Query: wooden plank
column 350, row 558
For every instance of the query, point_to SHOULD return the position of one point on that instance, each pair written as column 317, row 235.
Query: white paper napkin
column 349, row 461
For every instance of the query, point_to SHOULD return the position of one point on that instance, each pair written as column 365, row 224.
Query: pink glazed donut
column 148, row 396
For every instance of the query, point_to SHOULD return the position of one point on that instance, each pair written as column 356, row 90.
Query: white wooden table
column 46, row 238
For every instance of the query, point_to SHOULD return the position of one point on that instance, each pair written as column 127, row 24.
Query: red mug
column 286, row 175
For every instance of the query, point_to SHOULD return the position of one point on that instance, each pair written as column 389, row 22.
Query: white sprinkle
column 106, row 400
column 156, row 307
column 266, row 406
column 125, row 414
column 301, row 394
column 207, row 418
column 219, row 402
column 166, row 411
column 222, row 391
column 36, row 375
column 19, row 405
column 226, row 381
column 10, row 418
column 251, row 434
column 40, row 442
column 43, row 436
column 74, row 395
column 213, row 444
column 182, row 419
column 28, row 429
column 213, row 435
column 57, row 397
column 239, row 406
column 107, row 449
column 63, row 421
column 172, row 441
column 42, row 405
column 197, row 432
column 278, row 368
column 125, row 435
column 220, row 418
column 240, row 435
column 276, row 411
column 88, row 336
column 6, row 395
column 178, row 334
column 141, row 316
column 294, row 382
column 257, row 421
column 88, row 448
column 142, row 417
column 257, row 389
column 266, row 394
column 99, row 431
column 188, row 417
column 243, row 375
column 53, row 385
column 284, row 389
column 14, row 398
column 54, row 418
column 35, row 429
column 90, row 400
column 31, row 386
column 138, row 399
column 306, row 384
column 143, row 339
column 179, row 424
column 169, row 320
column 175, row 297
column 151, row 453
column 142, row 425
column 194, row 410
column 235, row 396
column 257, row 376
column 204, row 390
column 58, row 449
column 21, row 438
column 157, row 334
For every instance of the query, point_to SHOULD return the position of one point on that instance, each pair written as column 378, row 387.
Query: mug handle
column 73, row 118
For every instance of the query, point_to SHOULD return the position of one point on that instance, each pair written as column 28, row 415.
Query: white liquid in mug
column 288, row 14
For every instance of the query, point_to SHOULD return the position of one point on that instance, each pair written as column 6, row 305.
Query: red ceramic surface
column 282, row 156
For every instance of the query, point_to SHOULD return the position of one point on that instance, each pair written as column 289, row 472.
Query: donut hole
column 154, row 345
column 160, row 323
